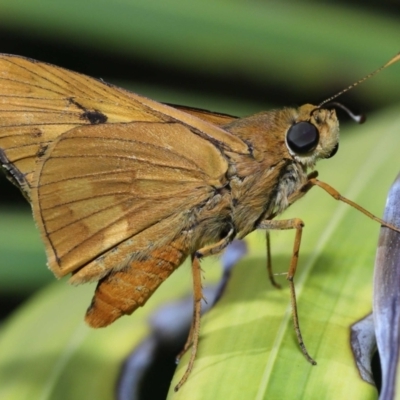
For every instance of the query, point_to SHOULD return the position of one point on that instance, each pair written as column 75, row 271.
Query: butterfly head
column 313, row 134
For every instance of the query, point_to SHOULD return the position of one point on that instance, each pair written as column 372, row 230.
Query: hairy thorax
column 260, row 188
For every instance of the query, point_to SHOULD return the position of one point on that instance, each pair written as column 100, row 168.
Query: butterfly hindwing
column 100, row 185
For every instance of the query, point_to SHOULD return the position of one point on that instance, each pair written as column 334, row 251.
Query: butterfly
column 123, row 189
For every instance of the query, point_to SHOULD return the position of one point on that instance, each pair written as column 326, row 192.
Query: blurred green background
column 230, row 56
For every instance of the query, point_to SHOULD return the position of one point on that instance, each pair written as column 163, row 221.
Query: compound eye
column 334, row 151
column 302, row 137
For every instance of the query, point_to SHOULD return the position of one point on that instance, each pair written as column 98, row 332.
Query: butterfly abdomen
column 122, row 292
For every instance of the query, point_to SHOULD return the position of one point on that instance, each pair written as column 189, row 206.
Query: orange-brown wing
column 39, row 102
column 209, row 116
column 99, row 185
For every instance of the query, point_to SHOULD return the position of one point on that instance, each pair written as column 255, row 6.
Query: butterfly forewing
column 209, row 116
column 40, row 101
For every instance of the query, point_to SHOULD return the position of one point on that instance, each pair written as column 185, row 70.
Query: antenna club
column 361, row 118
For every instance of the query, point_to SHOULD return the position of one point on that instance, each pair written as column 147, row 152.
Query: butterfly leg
column 194, row 334
column 204, row 252
column 193, row 338
column 269, row 262
column 297, row 224
column 337, row 196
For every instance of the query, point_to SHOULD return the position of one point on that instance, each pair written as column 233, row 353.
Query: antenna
column 359, row 118
column 390, row 62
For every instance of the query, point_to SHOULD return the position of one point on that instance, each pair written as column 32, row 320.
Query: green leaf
column 47, row 351
column 22, row 253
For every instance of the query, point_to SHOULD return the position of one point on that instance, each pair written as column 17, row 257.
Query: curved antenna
column 359, row 118
column 390, row 62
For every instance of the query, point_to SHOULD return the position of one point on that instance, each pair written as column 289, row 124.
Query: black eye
column 302, row 137
column 334, row 151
